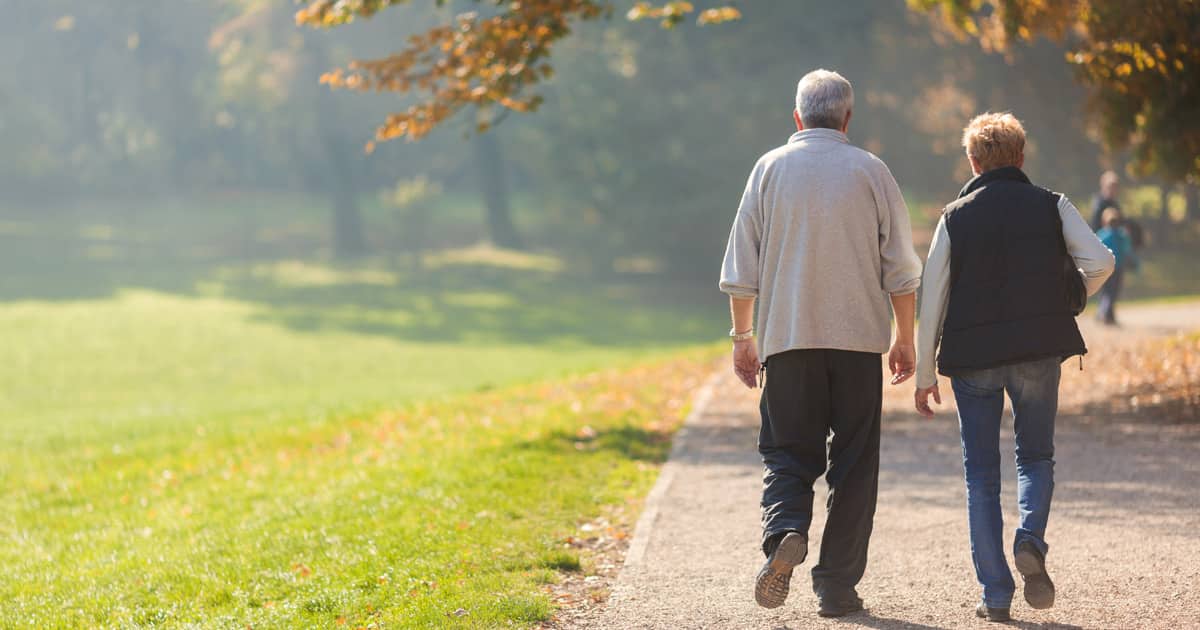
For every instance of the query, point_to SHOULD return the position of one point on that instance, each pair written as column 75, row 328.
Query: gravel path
column 1124, row 532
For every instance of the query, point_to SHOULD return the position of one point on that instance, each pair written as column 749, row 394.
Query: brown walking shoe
column 992, row 614
column 1031, row 564
column 774, row 579
column 839, row 606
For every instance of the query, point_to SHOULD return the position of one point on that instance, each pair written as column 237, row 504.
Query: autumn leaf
column 475, row 62
column 301, row 569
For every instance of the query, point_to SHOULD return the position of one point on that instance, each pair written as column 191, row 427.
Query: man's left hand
column 902, row 361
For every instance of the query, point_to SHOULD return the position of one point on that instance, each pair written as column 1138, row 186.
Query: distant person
column 995, row 297
column 822, row 240
column 1110, row 189
column 1116, row 238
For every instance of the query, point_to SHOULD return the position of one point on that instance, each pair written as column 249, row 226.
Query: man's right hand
column 745, row 362
column 921, row 398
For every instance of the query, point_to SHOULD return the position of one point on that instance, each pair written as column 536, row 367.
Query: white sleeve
column 1092, row 258
column 935, row 293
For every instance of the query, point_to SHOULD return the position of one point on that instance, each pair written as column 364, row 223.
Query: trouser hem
column 998, row 602
column 1027, row 536
column 768, row 545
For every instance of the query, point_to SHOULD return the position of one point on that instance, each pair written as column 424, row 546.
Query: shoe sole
column 1039, row 590
column 792, row 551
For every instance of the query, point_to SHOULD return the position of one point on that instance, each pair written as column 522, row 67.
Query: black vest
column 1008, row 296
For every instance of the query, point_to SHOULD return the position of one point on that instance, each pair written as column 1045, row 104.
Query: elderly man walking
column 822, row 240
column 997, row 297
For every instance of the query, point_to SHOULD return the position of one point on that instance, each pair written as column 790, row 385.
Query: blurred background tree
column 1140, row 61
column 215, row 108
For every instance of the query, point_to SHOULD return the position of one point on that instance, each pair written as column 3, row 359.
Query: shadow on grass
column 79, row 257
column 69, row 276
column 95, row 249
column 630, row 442
column 65, row 258
column 481, row 303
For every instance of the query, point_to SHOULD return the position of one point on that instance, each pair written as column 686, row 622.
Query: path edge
column 666, row 475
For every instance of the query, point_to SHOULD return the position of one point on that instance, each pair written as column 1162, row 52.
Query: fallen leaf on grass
column 301, row 569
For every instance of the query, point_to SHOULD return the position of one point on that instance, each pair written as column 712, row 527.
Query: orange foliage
column 481, row 61
column 1140, row 59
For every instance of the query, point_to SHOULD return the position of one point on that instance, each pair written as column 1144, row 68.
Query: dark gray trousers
column 810, row 395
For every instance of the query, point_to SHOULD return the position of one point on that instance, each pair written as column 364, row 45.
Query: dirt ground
column 1124, row 532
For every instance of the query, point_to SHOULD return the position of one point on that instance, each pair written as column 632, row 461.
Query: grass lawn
column 178, row 460
column 197, row 443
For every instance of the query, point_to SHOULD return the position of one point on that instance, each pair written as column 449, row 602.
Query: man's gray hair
column 823, row 99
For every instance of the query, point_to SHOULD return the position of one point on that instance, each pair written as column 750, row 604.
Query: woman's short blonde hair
column 994, row 140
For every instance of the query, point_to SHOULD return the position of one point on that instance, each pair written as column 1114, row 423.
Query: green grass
column 199, row 439
column 1169, row 272
column 396, row 518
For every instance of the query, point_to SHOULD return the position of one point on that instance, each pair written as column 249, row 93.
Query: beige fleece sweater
column 821, row 237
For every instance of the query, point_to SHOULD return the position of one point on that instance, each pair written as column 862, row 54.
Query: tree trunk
column 1191, row 195
column 1162, row 227
column 493, row 186
column 348, row 238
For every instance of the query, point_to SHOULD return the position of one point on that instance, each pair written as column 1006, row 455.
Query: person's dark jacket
column 1008, row 292
column 1099, row 205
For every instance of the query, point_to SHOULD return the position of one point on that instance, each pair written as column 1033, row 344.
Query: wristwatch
column 741, row 336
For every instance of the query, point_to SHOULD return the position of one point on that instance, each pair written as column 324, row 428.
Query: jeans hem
column 995, row 603
column 1031, row 538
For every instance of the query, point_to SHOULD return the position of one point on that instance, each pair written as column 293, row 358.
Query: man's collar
column 1010, row 173
column 819, row 132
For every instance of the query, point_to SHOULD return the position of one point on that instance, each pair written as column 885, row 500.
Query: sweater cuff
column 738, row 291
column 904, row 288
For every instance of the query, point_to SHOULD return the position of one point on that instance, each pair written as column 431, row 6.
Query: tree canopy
column 477, row 59
column 1140, row 61
column 221, row 97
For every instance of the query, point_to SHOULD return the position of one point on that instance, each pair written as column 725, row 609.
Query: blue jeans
column 1033, row 389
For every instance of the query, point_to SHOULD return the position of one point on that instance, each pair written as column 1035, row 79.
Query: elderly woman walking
column 996, row 299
